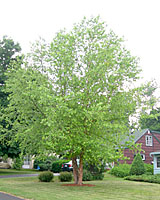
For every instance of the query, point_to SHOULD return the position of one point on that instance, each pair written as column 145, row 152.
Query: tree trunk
column 75, row 170
column 80, row 177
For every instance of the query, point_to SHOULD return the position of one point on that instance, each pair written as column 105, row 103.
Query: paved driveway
column 4, row 196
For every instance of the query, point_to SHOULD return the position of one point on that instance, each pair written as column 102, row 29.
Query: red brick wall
column 147, row 149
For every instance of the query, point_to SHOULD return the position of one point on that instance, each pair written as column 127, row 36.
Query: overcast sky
column 137, row 20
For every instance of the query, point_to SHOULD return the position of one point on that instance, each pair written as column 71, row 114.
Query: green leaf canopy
column 73, row 96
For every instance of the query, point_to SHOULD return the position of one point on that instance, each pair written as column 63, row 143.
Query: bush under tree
column 137, row 167
column 46, row 176
column 65, row 177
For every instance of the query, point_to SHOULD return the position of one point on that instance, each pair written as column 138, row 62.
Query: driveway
column 4, row 196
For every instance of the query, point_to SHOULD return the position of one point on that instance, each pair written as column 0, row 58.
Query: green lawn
column 109, row 189
column 4, row 172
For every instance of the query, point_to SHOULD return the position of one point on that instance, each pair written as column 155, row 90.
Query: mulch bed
column 88, row 185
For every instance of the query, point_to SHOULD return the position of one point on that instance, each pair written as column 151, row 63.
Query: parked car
column 67, row 166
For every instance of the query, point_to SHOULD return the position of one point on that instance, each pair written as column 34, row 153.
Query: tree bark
column 75, row 170
column 80, row 177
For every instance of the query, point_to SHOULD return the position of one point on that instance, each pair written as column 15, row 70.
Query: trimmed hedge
column 145, row 178
column 65, row 176
column 137, row 167
column 46, row 176
column 123, row 170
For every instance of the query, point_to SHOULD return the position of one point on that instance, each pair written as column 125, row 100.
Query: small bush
column 65, row 177
column 46, row 176
column 137, row 167
column 149, row 169
column 17, row 163
column 87, row 176
column 57, row 165
column 121, row 170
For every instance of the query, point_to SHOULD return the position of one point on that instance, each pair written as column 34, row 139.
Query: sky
column 138, row 21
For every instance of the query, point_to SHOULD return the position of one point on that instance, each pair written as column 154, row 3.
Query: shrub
column 65, row 176
column 121, row 170
column 57, row 165
column 87, row 176
column 44, row 164
column 46, row 176
column 149, row 168
column 17, row 164
column 98, row 176
column 137, row 167
column 96, row 170
column 145, row 178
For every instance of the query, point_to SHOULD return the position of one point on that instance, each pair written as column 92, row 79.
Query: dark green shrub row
column 145, row 178
column 46, row 176
column 57, row 165
column 49, row 164
column 65, row 176
column 123, row 170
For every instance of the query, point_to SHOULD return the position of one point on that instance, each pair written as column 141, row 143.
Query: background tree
column 150, row 115
column 8, row 52
column 73, row 97
column 151, row 120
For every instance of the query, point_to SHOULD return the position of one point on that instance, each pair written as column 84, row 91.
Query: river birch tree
column 74, row 95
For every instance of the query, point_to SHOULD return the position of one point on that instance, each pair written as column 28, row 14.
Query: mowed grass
column 5, row 172
column 108, row 189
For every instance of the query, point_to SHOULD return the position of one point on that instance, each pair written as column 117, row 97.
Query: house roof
column 135, row 136
column 138, row 134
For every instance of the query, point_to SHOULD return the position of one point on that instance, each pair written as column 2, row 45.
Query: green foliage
column 87, row 176
column 57, row 165
column 145, row 178
column 44, row 163
column 8, row 51
column 137, row 167
column 46, row 176
column 74, row 94
column 96, row 170
column 65, row 176
column 17, row 163
column 148, row 169
column 121, row 170
column 151, row 120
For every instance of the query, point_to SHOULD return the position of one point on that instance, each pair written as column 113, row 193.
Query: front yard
column 110, row 188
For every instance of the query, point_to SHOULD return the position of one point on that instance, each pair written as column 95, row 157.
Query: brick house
column 150, row 142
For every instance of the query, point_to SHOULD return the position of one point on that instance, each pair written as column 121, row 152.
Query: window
column 158, row 162
column 27, row 160
column 149, row 141
column 142, row 155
